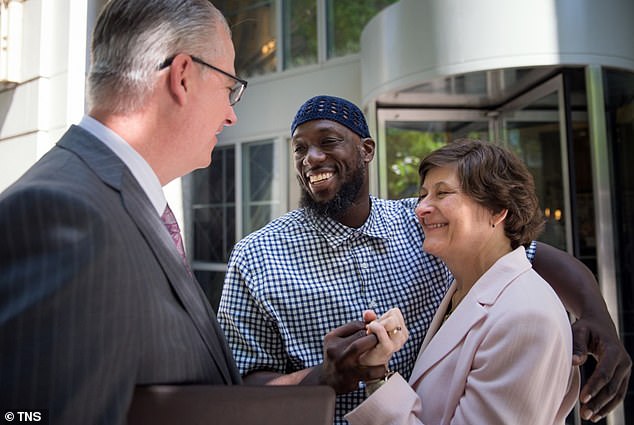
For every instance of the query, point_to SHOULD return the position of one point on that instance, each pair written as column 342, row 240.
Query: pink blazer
column 504, row 356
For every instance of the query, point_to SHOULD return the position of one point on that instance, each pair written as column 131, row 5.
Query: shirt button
column 364, row 265
column 373, row 304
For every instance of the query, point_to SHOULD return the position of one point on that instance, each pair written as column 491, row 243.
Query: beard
column 344, row 199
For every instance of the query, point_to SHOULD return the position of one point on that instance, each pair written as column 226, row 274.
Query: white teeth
column 319, row 177
column 436, row 226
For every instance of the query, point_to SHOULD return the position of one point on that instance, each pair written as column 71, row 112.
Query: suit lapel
column 114, row 173
column 441, row 338
column 184, row 285
column 448, row 336
column 438, row 318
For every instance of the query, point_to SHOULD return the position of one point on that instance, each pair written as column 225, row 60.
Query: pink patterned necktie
column 175, row 232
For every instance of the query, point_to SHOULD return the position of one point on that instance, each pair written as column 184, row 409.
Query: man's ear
column 179, row 78
column 368, row 146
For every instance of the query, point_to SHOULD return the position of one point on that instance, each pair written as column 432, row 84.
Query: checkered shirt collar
column 336, row 233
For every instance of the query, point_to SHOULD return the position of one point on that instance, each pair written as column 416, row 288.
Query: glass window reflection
column 253, row 27
column 299, row 32
column 213, row 208
column 346, row 19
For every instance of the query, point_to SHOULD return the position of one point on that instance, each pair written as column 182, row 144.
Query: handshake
column 361, row 350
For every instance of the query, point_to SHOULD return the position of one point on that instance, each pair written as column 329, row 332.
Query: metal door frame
column 513, row 108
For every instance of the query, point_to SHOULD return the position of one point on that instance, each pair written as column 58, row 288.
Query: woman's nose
column 422, row 208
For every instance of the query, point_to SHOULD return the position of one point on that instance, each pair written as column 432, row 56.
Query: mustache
column 343, row 199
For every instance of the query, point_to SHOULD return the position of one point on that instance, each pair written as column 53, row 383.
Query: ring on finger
column 396, row 330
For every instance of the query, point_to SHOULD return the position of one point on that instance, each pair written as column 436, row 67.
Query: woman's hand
column 391, row 333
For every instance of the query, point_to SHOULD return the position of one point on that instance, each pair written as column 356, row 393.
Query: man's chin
column 332, row 208
column 336, row 205
column 321, row 197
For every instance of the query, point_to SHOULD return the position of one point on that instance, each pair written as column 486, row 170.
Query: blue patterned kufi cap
column 334, row 109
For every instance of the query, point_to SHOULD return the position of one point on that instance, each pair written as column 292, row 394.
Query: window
column 254, row 34
column 300, row 32
column 272, row 35
column 214, row 207
column 238, row 194
column 260, row 193
column 409, row 143
column 346, row 19
column 410, row 135
column 214, row 221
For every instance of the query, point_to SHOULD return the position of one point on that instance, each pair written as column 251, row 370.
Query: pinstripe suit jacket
column 94, row 298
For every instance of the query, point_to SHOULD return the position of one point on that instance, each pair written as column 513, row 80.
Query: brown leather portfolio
column 238, row 404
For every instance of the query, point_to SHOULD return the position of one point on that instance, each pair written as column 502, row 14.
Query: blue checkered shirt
column 293, row 281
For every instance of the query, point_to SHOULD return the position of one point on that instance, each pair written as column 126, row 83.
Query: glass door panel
column 619, row 116
column 531, row 126
column 537, row 144
column 409, row 135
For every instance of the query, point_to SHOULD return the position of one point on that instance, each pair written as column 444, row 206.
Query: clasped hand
column 360, row 350
column 391, row 333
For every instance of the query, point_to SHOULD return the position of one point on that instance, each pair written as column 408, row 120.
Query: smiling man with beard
column 332, row 188
column 295, row 290
column 342, row 200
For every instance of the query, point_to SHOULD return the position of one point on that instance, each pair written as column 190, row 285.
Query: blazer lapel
column 114, row 173
column 184, row 285
column 441, row 338
column 439, row 316
column 448, row 336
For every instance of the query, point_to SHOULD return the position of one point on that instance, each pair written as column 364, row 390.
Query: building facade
column 551, row 79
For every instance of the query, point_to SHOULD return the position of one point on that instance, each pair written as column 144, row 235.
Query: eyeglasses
column 235, row 92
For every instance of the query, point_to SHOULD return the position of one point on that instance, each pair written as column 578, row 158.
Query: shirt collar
column 139, row 168
column 375, row 226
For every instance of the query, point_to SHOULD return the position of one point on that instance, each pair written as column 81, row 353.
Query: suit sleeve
column 64, row 348
column 394, row 403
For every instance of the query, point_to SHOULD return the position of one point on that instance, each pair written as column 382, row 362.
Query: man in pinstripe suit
column 94, row 296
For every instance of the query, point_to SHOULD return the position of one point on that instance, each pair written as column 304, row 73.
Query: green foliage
column 405, row 149
column 300, row 32
column 346, row 20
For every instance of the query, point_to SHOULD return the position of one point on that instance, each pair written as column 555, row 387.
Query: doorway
column 534, row 125
column 545, row 125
